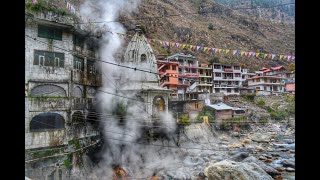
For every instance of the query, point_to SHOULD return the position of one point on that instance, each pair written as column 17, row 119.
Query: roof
column 180, row 55
column 276, row 77
column 220, row 106
column 271, row 69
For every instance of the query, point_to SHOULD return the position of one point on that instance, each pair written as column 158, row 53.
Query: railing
column 228, row 70
column 192, row 74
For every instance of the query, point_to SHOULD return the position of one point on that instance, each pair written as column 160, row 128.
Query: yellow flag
column 220, row 50
column 205, row 48
column 183, row 45
column 241, row 53
column 281, row 57
column 265, row 55
column 227, row 51
column 257, row 54
column 191, row 46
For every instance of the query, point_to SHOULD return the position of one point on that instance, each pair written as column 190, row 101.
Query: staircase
column 192, row 88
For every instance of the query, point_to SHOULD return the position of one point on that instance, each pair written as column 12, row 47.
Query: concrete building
column 188, row 76
column 61, row 79
column 221, row 111
column 266, row 85
column 168, row 72
column 205, row 78
column 226, row 78
column 276, row 71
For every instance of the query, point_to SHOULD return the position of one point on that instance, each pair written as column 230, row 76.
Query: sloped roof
column 220, row 106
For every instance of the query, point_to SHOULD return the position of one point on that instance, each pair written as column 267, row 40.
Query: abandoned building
column 61, row 80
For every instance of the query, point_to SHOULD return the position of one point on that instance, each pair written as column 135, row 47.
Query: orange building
column 168, row 73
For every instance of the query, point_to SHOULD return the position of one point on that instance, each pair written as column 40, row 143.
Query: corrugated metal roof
column 220, row 106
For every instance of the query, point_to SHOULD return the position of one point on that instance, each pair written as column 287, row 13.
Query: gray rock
column 228, row 169
column 289, row 169
column 239, row 156
column 288, row 141
column 288, row 163
column 268, row 169
column 286, row 146
column 177, row 174
column 259, row 137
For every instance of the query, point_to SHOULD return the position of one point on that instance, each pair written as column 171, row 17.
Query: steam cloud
column 140, row 160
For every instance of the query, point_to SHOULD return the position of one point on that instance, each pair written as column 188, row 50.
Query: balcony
column 78, row 50
column 205, row 75
column 228, row 78
column 228, row 69
column 183, row 84
column 79, row 103
column 192, row 74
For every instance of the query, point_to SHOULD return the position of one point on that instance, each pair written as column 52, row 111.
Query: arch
column 47, row 121
column 48, row 90
column 77, row 92
column 143, row 58
column 158, row 105
column 77, row 117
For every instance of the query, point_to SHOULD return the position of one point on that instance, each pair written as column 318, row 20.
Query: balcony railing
column 192, row 74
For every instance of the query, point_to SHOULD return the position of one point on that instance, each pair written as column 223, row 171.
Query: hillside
column 230, row 30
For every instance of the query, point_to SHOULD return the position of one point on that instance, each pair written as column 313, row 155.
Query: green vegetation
column 184, row 120
column 214, row 60
column 210, row 26
column 260, row 102
column 120, row 110
column 67, row 163
column 249, row 96
column 44, row 153
column 43, row 5
column 206, row 112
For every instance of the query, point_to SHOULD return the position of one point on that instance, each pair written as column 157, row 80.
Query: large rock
column 259, row 137
column 288, row 163
column 239, row 156
column 228, row 169
column 268, row 169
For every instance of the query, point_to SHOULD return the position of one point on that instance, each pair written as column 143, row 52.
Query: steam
column 125, row 139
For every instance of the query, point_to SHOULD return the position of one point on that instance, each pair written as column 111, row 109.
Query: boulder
column 268, row 169
column 289, row 169
column 246, row 140
column 288, row 163
column 259, row 137
column 239, row 156
column 228, row 169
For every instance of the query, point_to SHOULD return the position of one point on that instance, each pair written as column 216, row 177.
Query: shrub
column 184, row 120
column 210, row 26
column 260, row 102
column 206, row 112
column 249, row 96
column 278, row 115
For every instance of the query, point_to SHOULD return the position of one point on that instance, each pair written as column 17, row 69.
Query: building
column 188, row 76
column 221, row 111
column 145, row 86
column 290, row 86
column 265, row 84
column 168, row 73
column 276, row 71
column 61, row 79
column 226, row 78
column 205, row 78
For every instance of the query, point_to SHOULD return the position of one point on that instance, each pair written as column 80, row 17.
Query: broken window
column 78, row 63
column 49, row 32
column 91, row 67
column 46, row 58
column 47, row 121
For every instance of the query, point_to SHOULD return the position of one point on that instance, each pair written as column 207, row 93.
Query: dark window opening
column 78, row 63
column 47, row 121
column 46, row 58
column 78, row 41
column 143, row 58
column 49, row 32
column 91, row 67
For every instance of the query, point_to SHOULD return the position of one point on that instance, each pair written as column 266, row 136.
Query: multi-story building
column 268, row 81
column 188, row 76
column 205, row 78
column 226, row 78
column 168, row 74
column 61, row 80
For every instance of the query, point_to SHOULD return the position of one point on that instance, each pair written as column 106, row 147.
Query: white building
column 226, row 78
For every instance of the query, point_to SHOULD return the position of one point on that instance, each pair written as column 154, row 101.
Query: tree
column 214, row 60
column 291, row 67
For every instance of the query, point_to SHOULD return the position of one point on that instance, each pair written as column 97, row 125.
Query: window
column 217, row 74
column 258, row 80
column 143, row 58
column 91, row 67
column 265, row 88
column 196, row 105
column 49, row 32
column 236, row 90
column 228, row 90
column 236, row 67
column 217, row 90
column 174, row 67
column 78, row 41
column 217, row 67
column 47, row 121
column 48, row 90
column 46, row 58
column 237, row 75
column 78, row 63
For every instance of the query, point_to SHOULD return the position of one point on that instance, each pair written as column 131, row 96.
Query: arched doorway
column 158, row 105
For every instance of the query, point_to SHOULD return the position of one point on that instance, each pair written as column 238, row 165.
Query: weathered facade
column 61, row 79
